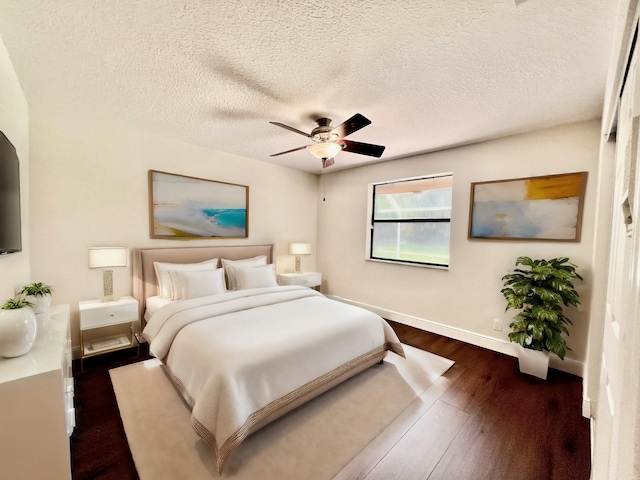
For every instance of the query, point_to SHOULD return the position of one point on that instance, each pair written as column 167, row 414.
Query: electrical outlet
column 497, row 324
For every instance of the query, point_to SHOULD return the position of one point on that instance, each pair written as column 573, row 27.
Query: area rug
column 314, row 441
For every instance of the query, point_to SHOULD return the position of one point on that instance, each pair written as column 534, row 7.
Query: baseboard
column 586, row 407
column 497, row 345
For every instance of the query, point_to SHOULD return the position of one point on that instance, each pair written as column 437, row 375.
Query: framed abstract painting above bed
column 534, row 208
column 183, row 207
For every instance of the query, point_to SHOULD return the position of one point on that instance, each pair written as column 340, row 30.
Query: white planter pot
column 533, row 362
column 40, row 303
column 18, row 330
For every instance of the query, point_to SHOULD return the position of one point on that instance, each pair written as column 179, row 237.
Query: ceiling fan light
column 325, row 149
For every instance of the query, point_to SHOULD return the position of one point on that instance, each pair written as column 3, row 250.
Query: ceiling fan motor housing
column 323, row 132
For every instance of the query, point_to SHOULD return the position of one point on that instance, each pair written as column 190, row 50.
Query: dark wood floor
column 485, row 420
column 508, row 425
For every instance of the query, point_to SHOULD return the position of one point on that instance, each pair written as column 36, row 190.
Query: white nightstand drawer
column 110, row 313
column 306, row 279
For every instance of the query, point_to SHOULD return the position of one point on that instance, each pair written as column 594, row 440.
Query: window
column 411, row 221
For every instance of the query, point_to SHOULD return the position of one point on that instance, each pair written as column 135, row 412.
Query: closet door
column 617, row 432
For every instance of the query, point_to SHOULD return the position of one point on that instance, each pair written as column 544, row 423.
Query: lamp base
column 110, row 298
column 107, row 286
column 298, row 265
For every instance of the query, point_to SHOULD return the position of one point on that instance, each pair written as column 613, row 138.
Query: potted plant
column 39, row 295
column 540, row 291
column 18, row 328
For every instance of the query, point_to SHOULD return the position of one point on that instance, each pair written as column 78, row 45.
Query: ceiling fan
column 329, row 141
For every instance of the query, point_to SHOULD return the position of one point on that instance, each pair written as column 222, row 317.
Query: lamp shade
column 325, row 149
column 104, row 257
column 299, row 249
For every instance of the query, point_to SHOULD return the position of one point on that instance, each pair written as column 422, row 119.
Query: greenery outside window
column 411, row 220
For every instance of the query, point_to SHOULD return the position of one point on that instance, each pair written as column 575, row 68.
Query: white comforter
column 240, row 356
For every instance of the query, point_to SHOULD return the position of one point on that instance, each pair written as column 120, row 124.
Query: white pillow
column 246, row 262
column 164, row 280
column 255, row 277
column 194, row 284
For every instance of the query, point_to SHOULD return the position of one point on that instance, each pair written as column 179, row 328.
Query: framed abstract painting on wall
column 534, row 208
column 182, row 207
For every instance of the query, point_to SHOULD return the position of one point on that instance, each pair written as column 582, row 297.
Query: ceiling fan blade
column 295, row 130
column 327, row 162
column 289, row 151
column 362, row 148
column 354, row 124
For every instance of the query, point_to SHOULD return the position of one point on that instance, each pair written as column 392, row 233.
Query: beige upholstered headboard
column 144, row 275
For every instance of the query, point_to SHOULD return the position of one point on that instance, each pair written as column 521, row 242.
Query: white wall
column 89, row 188
column 14, row 122
column 466, row 297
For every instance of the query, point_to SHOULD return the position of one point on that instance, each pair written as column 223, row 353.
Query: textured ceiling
column 429, row 74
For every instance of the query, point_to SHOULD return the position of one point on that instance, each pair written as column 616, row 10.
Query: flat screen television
column 10, row 232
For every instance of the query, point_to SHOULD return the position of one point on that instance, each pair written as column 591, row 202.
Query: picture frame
column 184, row 207
column 544, row 208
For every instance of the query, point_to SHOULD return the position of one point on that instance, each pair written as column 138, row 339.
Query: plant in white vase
column 540, row 291
column 39, row 295
column 18, row 328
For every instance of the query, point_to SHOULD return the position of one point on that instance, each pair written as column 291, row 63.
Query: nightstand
column 96, row 316
column 306, row 279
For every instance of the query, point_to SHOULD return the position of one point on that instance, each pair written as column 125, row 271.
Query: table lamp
column 106, row 258
column 298, row 249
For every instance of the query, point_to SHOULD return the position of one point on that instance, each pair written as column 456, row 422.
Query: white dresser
column 36, row 404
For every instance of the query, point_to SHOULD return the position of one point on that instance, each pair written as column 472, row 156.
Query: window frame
column 371, row 222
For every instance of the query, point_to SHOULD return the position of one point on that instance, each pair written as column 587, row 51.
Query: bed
column 242, row 358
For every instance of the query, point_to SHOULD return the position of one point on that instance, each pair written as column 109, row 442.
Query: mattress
column 154, row 304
